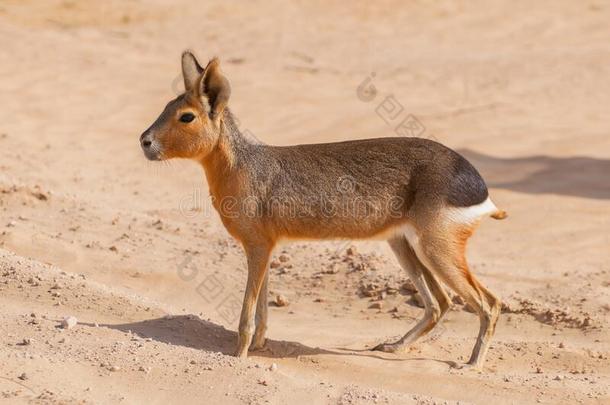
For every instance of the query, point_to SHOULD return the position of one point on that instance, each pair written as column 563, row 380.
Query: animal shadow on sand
column 577, row 176
column 191, row 331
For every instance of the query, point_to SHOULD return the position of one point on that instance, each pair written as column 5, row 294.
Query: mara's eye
column 187, row 117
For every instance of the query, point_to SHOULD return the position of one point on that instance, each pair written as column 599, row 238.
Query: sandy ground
column 132, row 249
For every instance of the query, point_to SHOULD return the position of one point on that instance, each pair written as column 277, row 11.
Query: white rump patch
column 466, row 215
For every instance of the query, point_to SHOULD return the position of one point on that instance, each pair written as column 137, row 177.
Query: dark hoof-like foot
column 258, row 346
column 387, row 347
column 467, row 367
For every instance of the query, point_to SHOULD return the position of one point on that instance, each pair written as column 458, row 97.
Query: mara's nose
column 145, row 140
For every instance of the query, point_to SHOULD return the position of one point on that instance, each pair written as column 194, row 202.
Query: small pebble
column 25, row 342
column 280, row 301
column 417, row 300
column 69, row 322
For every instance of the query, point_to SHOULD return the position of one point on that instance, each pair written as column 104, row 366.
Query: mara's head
column 190, row 124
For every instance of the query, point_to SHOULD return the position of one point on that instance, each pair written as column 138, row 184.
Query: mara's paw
column 467, row 367
column 388, row 348
column 258, row 345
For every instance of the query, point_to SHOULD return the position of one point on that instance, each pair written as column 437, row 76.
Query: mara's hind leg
column 436, row 301
column 444, row 254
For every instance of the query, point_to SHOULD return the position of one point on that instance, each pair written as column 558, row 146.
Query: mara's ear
column 215, row 87
column 191, row 70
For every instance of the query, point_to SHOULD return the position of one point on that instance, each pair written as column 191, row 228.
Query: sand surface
column 133, row 250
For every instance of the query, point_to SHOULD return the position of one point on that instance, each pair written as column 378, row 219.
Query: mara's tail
column 499, row 214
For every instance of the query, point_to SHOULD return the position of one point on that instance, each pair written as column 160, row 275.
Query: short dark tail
column 499, row 214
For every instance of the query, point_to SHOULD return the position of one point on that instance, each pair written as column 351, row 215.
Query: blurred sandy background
column 90, row 229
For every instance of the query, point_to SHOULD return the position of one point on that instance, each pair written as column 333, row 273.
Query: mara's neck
column 231, row 151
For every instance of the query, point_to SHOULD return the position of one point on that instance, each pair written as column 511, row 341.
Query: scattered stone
column 284, row 258
column 273, row 367
column 25, row 342
column 23, row 376
column 114, row 368
column 351, row 251
column 376, row 305
column 40, row 195
column 561, row 345
column 280, row 301
column 69, row 322
column 33, row 282
column 391, row 290
column 275, row 264
column 334, row 269
column 370, row 290
column 550, row 316
column 417, row 300
column 408, row 287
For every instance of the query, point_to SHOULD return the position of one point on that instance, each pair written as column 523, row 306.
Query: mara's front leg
column 258, row 341
column 258, row 260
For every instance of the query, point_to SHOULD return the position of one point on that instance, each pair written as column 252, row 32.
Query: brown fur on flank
column 399, row 189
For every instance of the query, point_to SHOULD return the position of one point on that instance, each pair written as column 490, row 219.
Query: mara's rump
column 365, row 189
